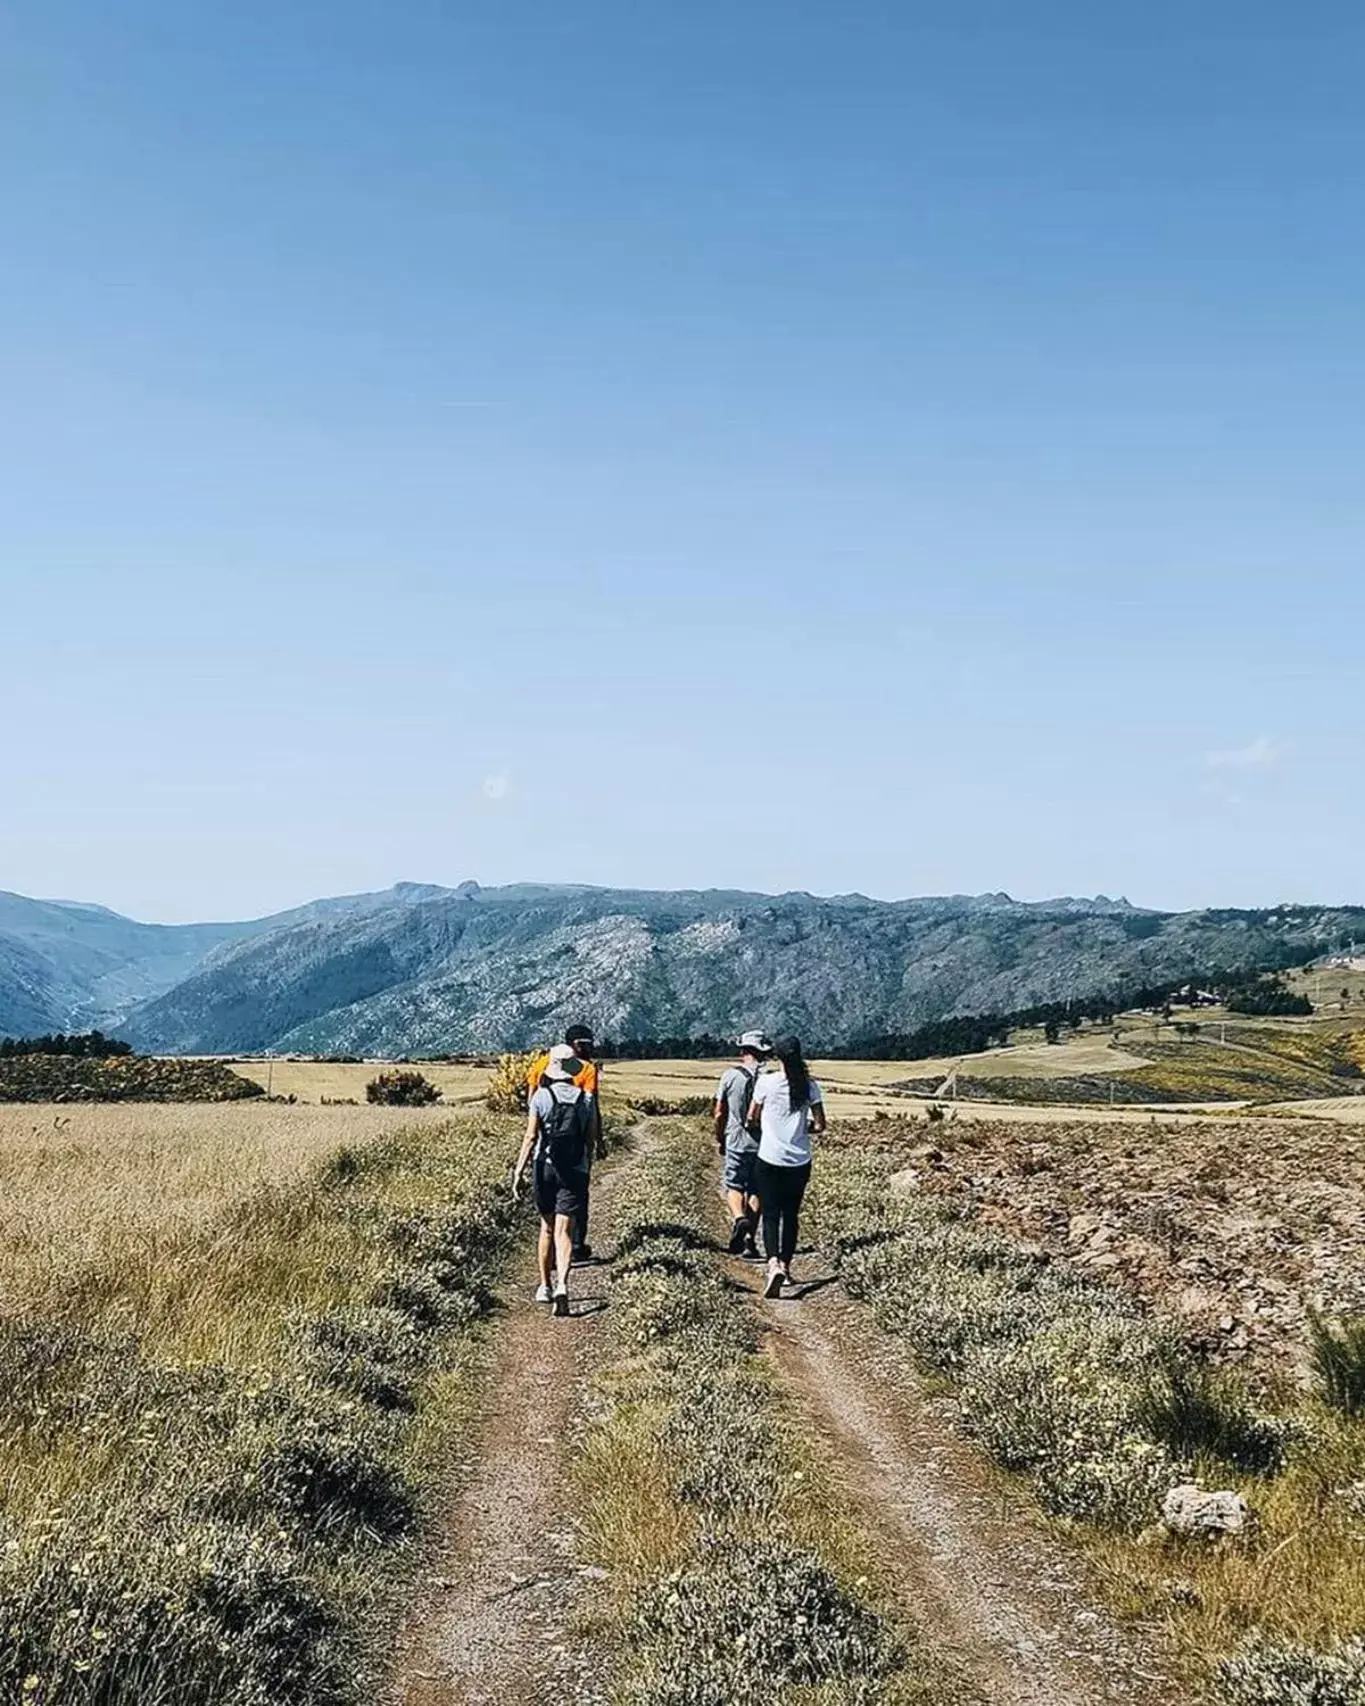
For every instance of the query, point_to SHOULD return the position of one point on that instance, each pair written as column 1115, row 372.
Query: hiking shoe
column 583, row 1253
column 543, row 1294
column 739, row 1236
column 773, row 1288
column 561, row 1300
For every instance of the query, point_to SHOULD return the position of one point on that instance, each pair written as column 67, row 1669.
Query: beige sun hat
column 559, row 1069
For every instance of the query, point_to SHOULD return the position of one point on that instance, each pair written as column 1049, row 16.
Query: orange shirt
column 585, row 1077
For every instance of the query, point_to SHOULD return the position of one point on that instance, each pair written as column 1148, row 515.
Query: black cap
column 579, row 1034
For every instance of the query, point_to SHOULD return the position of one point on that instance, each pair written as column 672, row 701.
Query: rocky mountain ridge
column 426, row 969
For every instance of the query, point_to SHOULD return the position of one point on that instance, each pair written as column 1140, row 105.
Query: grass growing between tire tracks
column 210, row 1495
column 734, row 1580
column 1106, row 1408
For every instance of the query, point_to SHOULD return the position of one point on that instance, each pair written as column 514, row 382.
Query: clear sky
column 885, row 446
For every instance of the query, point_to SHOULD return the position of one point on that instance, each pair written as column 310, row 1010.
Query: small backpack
column 564, row 1131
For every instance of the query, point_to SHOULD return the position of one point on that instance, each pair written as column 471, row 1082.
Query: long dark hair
column 788, row 1051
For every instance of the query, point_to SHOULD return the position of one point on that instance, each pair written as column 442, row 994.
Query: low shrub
column 507, row 1088
column 402, row 1089
column 1338, row 1356
column 745, row 1620
column 1289, row 1674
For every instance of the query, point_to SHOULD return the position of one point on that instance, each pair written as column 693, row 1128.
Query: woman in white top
column 787, row 1110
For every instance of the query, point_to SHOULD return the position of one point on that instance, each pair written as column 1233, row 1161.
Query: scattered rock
column 1189, row 1510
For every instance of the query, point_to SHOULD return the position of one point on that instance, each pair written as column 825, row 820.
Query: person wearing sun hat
column 559, row 1134
column 737, row 1144
column 586, row 1075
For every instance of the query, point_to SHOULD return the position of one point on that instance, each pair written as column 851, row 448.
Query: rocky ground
column 1233, row 1225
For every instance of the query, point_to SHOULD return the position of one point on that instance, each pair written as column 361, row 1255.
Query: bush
column 400, row 1089
column 506, row 1092
column 1195, row 1414
column 748, row 1620
column 1338, row 1355
column 1288, row 1674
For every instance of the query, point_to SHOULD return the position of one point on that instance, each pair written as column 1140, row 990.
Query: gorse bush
column 1338, row 1353
column 402, row 1089
column 507, row 1088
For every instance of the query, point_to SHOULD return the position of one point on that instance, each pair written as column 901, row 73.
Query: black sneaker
column 751, row 1249
column 739, row 1236
column 583, row 1253
column 561, row 1301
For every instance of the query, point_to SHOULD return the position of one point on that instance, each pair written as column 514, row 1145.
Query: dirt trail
column 495, row 1625
column 985, row 1583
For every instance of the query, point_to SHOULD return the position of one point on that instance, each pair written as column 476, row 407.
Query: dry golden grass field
column 93, row 1195
column 316, row 1080
column 235, row 1343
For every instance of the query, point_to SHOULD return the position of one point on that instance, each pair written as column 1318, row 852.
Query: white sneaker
column 776, row 1277
column 542, row 1294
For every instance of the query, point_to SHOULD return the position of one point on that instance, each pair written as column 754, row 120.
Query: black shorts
column 559, row 1193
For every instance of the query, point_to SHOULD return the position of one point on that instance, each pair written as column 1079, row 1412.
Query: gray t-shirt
column 735, row 1090
column 542, row 1105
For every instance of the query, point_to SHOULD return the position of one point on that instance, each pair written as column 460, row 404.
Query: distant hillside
column 423, row 970
column 66, row 965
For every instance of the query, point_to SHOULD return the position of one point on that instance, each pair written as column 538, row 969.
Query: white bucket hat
column 757, row 1041
column 558, row 1068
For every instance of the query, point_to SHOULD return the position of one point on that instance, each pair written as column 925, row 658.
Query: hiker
column 586, row 1075
column 786, row 1110
column 737, row 1144
column 559, row 1126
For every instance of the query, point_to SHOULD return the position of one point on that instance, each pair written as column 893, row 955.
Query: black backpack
column 564, row 1131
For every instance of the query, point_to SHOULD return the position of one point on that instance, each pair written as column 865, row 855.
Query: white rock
column 1190, row 1510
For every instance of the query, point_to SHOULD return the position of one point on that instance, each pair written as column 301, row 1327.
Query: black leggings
column 779, row 1191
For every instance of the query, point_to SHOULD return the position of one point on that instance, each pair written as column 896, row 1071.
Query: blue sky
column 899, row 447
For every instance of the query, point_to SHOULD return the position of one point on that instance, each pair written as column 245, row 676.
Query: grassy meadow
column 234, row 1340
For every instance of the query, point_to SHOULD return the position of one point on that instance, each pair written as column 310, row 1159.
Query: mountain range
column 420, row 969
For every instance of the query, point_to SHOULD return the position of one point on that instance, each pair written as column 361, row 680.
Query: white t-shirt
column 784, row 1139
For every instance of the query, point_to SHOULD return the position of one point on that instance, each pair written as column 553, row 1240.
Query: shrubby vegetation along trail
column 687, row 1497
column 498, row 1618
column 1002, row 1600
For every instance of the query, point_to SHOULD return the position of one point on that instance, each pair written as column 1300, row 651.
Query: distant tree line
column 1267, row 996
column 704, row 1047
column 91, row 1045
